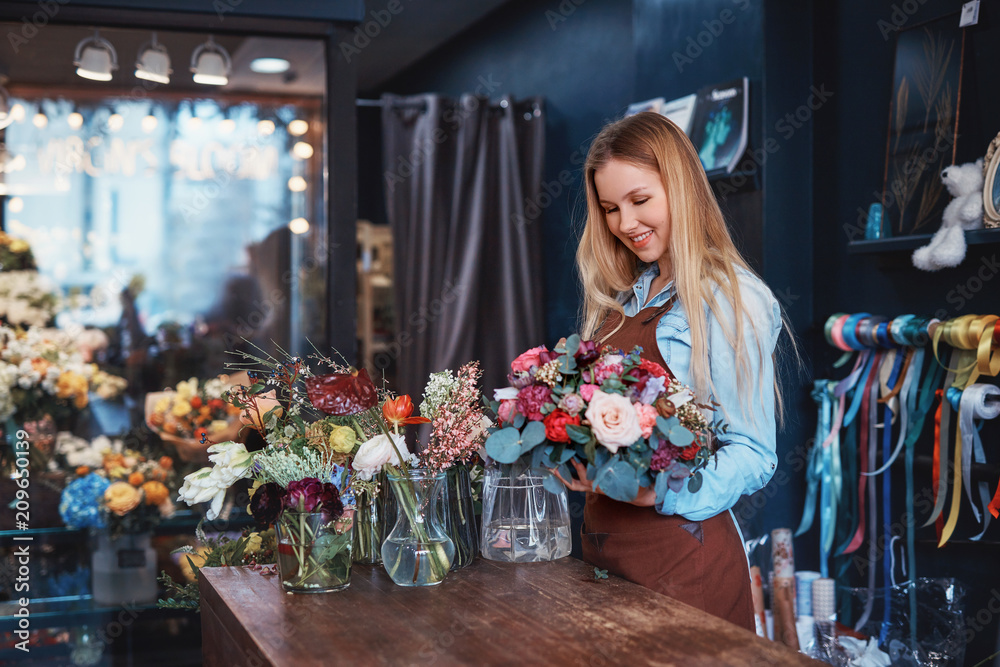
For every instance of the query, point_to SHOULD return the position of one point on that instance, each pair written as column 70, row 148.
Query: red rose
column 195, row 402
column 216, row 404
column 689, row 452
column 556, row 423
column 654, row 368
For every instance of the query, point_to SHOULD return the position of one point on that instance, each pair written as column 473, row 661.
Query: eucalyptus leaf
column 504, row 446
column 519, row 420
column 618, row 481
column 578, row 434
column 533, row 434
column 694, row 483
column 573, row 344
column 552, row 484
column 661, row 487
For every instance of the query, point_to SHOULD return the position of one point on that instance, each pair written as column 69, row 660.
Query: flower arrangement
column 15, row 254
column 625, row 417
column 124, row 492
column 192, row 410
column 42, row 372
column 453, row 405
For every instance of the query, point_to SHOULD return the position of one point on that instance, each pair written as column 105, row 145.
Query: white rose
column 378, row 451
column 614, row 420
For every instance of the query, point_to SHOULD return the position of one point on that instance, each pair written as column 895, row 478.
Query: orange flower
column 121, row 498
column 166, row 462
column 159, row 474
column 397, row 411
column 136, row 479
column 82, row 470
column 156, row 493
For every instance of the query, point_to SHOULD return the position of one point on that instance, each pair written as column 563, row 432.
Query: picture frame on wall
column 991, row 185
column 923, row 125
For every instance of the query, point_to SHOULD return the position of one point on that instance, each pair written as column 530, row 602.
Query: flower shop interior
column 264, row 268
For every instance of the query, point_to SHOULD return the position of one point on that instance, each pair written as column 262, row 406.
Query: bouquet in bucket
column 626, row 418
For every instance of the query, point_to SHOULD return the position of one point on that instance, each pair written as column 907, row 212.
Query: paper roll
column 824, row 599
column 783, row 607
column 782, row 553
column 803, row 591
column 757, row 591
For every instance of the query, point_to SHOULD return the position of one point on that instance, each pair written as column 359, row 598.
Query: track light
column 210, row 64
column 153, row 63
column 95, row 58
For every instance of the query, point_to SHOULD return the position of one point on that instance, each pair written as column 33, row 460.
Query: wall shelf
column 910, row 243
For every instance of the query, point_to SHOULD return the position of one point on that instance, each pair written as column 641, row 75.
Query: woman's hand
column 646, row 497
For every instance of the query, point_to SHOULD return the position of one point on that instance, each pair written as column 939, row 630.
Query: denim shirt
column 747, row 461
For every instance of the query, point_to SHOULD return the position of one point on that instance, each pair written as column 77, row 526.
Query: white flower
column 199, row 487
column 505, row 394
column 614, row 420
column 378, row 451
column 230, row 455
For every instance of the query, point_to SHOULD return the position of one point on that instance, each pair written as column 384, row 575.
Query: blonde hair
column 701, row 250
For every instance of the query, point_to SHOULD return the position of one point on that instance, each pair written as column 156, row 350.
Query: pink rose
column 506, row 410
column 531, row 399
column 528, row 359
column 605, row 370
column 614, row 420
column 647, row 418
column 587, row 391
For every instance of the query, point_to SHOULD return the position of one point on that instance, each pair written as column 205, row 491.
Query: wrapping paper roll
column 783, row 607
column 803, row 591
column 757, row 591
column 824, row 600
column 782, row 553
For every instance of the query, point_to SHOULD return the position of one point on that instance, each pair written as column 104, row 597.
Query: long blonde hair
column 701, row 250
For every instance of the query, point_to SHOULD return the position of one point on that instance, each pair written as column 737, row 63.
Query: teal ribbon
column 814, row 470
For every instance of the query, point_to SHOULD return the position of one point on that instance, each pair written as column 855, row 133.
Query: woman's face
column 635, row 205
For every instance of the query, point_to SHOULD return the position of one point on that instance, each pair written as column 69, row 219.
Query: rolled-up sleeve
column 747, row 459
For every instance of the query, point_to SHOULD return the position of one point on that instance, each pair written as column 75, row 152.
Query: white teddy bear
column 965, row 211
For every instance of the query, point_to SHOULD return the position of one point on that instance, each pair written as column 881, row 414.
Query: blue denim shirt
column 747, row 461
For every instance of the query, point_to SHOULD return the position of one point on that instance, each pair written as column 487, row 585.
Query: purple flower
column 304, row 495
column 651, row 389
column 572, row 404
column 330, row 502
column 587, row 353
column 266, row 503
column 520, row 380
column 664, row 456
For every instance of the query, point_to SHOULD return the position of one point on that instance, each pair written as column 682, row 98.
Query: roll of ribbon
column 866, row 330
column 882, row 335
column 828, row 327
column 979, row 401
column 897, row 329
column 849, row 330
column 837, row 333
column 824, row 599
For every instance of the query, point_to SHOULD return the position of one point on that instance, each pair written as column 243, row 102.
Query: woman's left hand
column 646, row 497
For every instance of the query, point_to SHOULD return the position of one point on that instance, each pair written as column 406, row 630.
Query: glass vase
column 314, row 552
column 417, row 552
column 369, row 522
column 459, row 516
column 522, row 521
column 123, row 570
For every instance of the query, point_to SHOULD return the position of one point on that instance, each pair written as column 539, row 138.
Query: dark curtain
column 467, row 272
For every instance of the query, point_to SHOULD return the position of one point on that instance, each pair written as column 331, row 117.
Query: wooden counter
column 486, row 614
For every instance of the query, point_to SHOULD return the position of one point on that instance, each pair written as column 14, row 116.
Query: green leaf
column 573, row 344
column 533, row 434
column 618, row 480
column 504, row 446
column 567, row 364
column 552, row 484
column 519, row 420
column 694, row 483
column 578, row 434
column 600, row 574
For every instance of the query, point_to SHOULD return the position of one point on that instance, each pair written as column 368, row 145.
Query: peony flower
column 527, row 360
column 342, row 439
column 587, row 391
column 156, row 493
column 614, row 420
column 608, row 369
column 531, row 399
column 572, row 404
column 647, row 418
column 266, row 502
column 378, row 451
column 303, row 495
column 121, row 498
column 507, row 410
column 556, row 423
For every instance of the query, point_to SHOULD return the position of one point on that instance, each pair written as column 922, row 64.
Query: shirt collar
column 641, row 286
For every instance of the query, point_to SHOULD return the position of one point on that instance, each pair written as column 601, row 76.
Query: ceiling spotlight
column 265, row 127
column 95, row 58
column 210, row 64
column 75, row 120
column 297, row 184
column 269, row 65
column 15, row 204
column 227, row 126
column 149, row 123
column 297, row 128
column 17, row 112
column 302, row 150
column 40, row 120
column 153, row 63
column 116, row 122
column 299, row 226
column 194, row 123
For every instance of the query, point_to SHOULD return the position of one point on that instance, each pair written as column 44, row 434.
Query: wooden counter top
column 486, row 614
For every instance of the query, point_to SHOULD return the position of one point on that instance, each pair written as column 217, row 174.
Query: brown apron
column 700, row 563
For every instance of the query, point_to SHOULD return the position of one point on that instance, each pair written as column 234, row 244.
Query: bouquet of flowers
column 115, row 488
column 192, row 410
column 42, row 372
column 630, row 422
